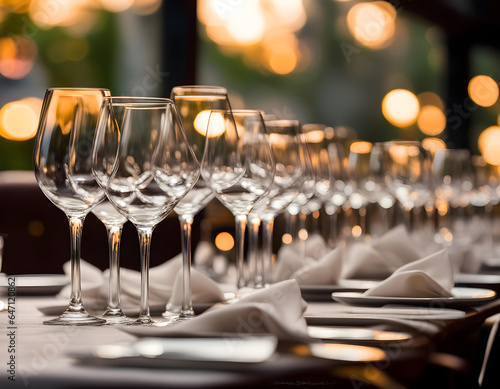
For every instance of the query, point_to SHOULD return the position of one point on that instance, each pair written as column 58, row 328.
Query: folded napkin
column 381, row 257
column 325, row 271
column 315, row 246
column 289, row 260
column 431, row 276
column 165, row 285
column 276, row 310
column 298, row 259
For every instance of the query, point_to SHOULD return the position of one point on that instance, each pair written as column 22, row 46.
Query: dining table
column 435, row 351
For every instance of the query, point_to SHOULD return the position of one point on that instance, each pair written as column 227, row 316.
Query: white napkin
column 299, row 256
column 276, row 310
column 315, row 246
column 381, row 257
column 289, row 260
column 431, row 276
column 325, row 271
column 203, row 289
column 165, row 282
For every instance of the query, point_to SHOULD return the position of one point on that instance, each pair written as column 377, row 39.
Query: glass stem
column 408, row 218
column 241, row 223
column 254, row 259
column 76, row 227
column 187, row 304
column 292, row 225
column 114, row 236
column 145, row 235
column 267, row 255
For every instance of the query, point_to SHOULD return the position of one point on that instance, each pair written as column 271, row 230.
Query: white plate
column 209, row 353
column 463, row 297
column 34, row 284
column 356, row 335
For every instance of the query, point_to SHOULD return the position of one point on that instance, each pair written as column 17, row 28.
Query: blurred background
column 404, row 69
column 384, row 69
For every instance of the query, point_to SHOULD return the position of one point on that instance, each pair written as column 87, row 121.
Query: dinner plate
column 323, row 292
column 34, row 284
column 356, row 335
column 462, row 298
column 210, row 353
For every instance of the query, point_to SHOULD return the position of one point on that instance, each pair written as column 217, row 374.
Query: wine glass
column 339, row 190
column 194, row 104
column 154, row 169
column 238, row 166
column 288, row 181
column 104, row 151
column 454, row 185
column 361, row 184
column 306, row 192
column 409, row 175
column 62, row 165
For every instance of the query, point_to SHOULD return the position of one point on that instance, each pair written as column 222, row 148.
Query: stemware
column 288, row 180
column 194, row 104
column 365, row 168
column 454, row 184
column 154, row 169
column 358, row 173
column 409, row 176
column 239, row 167
column 305, row 193
column 104, row 151
column 62, row 164
column 339, row 191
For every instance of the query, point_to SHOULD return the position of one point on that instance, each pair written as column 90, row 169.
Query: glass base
column 149, row 322
column 116, row 316
column 171, row 312
column 75, row 318
column 184, row 316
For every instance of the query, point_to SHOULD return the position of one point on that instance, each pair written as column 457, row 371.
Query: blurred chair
column 36, row 232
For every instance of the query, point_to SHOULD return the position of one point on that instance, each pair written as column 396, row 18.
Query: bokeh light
column 17, row 55
column 224, row 241
column 400, row 107
column 489, row 145
column 216, row 123
column 431, row 120
column 483, row 90
column 19, row 119
column 262, row 31
column 315, row 136
column 433, row 145
column 372, row 24
column 430, row 98
column 361, row 147
column 116, row 5
column 146, row 7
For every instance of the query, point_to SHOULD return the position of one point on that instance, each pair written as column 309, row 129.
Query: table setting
column 322, row 301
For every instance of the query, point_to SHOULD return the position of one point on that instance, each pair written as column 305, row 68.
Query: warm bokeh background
column 369, row 66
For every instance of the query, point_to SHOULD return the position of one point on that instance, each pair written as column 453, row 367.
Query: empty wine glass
column 104, row 151
column 155, row 168
column 288, row 180
column 305, row 193
column 454, row 184
column 194, row 104
column 339, row 190
column 238, row 165
column 409, row 175
column 62, row 164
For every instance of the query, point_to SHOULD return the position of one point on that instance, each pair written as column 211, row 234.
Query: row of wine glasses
column 128, row 158
column 139, row 158
column 134, row 152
